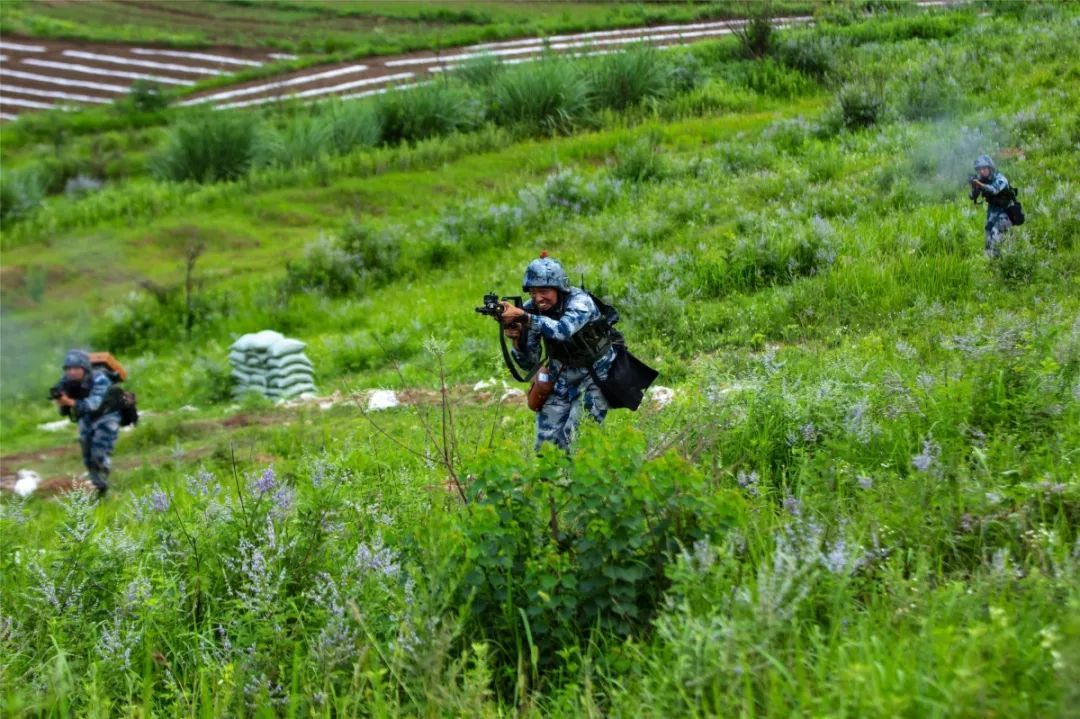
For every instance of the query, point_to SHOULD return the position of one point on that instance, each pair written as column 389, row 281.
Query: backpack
column 117, row 399
column 1015, row 211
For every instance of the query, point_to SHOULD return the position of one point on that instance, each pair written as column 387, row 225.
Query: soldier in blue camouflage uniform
column 84, row 398
column 569, row 325
column 992, row 185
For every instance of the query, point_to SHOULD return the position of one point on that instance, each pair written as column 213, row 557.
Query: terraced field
column 40, row 76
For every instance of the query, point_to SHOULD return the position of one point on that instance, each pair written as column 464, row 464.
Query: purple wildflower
column 927, row 459
column 748, row 481
column 265, row 483
column 836, row 559
column 160, row 501
column 864, row 481
column 792, row 506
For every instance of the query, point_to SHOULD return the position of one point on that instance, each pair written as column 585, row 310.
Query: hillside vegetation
column 862, row 501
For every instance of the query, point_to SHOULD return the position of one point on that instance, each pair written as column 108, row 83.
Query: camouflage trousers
column 98, row 439
column 997, row 224
column 559, row 417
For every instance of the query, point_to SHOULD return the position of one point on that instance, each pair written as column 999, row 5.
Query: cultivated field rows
column 42, row 75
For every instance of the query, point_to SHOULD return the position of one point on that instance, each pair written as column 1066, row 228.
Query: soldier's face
column 544, row 297
column 75, row 374
column 984, row 172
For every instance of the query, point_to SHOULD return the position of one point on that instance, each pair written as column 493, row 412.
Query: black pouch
column 1015, row 211
column 627, row 380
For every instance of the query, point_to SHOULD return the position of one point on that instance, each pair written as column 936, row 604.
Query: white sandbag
column 291, row 378
column 285, row 347
column 288, row 360
column 289, row 372
column 240, row 377
column 297, row 389
column 258, row 341
column 289, row 382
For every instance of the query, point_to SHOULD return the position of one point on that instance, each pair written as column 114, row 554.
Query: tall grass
column 213, row 147
column 548, row 96
column 628, row 78
column 431, row 110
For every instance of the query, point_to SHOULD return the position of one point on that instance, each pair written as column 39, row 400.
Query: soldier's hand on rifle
column 512, row 314
column 64, row 401
column 512, row 331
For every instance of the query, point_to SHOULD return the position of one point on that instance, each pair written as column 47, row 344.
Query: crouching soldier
column 83, row 395
column 580, row 344
column 991, row 185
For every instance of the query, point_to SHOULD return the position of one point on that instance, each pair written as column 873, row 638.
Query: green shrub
column 755, row 36
column 685, row 71
column 768, row 77
column 549, row 96
column 556, row 547
column 355, row 261
column 813, row 54
column 639, row 161
column 437, row 108
column 625, row 79
column 21, row 193
column 213, row 147
column 146, row 96
column 302, row 140
column 352, row 125
column 859, row 106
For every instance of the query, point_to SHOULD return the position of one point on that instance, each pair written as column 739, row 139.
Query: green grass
column 863, row 500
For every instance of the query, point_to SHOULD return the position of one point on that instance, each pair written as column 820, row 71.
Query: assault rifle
column 972, row 179
column 493, row 307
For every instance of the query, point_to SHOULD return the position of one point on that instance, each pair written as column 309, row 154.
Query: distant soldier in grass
column 1002, row 209
column 83, row 395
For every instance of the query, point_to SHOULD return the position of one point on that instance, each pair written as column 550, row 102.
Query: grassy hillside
column 863, row 500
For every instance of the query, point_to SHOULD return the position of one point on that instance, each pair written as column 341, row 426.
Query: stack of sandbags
column 271, row 364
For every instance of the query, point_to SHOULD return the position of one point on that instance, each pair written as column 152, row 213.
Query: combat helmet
column 78, row 358
column 984, row 161
column 545, row 272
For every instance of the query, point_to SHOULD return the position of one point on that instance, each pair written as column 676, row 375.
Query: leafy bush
column 146, row 96
column 685, row 71
column 859, row 105
column 639, row 161
column 437, row 108
column 549, row 96
column 569, row 191
column 357, row 260
column 813, row 54
column 213, row 147
column 755, row 35
column 21, row 193
column 557, row 547
column 625, row 79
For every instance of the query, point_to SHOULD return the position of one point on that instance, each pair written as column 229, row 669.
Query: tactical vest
column 585, row 346
column 1002, row 199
